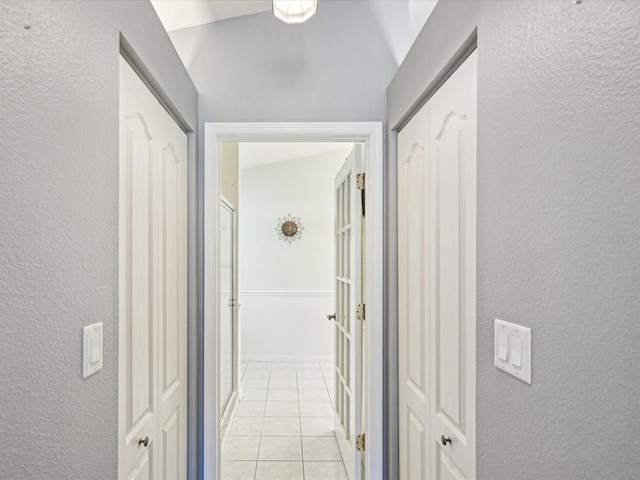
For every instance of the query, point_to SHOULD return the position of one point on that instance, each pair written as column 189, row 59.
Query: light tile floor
column 283, row 429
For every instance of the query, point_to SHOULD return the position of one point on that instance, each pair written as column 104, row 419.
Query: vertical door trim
column 371, row 133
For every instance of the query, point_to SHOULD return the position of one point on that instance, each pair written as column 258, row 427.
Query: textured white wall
column 286, row 288
column 59, row 225
column 400, row 22
column 558, row 226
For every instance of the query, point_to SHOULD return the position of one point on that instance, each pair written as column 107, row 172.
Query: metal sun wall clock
column 289, row 228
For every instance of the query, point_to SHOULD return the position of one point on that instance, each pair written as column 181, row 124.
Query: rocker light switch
column 513, row 349
column 92, row 350
column 503, row 346
column 516, row 351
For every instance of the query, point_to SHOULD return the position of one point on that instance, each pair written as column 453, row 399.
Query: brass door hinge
column 360, row 442
column 360, row 186
column 360, row 312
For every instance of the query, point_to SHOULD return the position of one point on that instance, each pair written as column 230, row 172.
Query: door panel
column 153, row 286
column 348, row 285
column 436, row 282
column 446, row 468
column 447, row 318
column 171, row 227
column 452, row 141
column 143, row 470
column 416, row 445
column 137, row 310
column 413, row 331
column 172, row 247
column 171, row 446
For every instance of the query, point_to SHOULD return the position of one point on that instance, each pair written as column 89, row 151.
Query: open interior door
column 348, row 297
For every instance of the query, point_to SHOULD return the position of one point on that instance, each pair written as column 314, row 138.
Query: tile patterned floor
column 283, row 429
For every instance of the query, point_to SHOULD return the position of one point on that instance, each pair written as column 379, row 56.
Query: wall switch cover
column 92, row 349
column 513, row 349
column 503, row 346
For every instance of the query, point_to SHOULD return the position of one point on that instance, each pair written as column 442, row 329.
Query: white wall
column 558, row 226
column 401, row 22
column 230, row 173
column 287, row 289
column 59, row 227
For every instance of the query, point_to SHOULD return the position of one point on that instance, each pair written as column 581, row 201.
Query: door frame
column 371, row 134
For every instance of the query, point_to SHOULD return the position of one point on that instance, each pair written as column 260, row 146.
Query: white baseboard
column 281, row 358
column 228, row 416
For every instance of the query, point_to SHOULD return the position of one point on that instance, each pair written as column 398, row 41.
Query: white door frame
column 371, row 133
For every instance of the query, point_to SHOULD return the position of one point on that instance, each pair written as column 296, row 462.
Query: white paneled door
column 152, row 287
column 437, row 282
column 413, row 331
column 348, row 295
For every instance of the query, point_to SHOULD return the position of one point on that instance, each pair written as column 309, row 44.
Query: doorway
column 277, row 371
column 298, row 247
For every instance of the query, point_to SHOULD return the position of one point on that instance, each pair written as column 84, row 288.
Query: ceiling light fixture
column 294, row 11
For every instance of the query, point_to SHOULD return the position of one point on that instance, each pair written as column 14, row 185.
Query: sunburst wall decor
column 289, row 228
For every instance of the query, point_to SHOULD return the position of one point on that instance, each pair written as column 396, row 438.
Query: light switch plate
column 517, row 340
column 92, row 349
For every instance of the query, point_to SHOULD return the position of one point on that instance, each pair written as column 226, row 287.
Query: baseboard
column 228, row 416
column 282, row 358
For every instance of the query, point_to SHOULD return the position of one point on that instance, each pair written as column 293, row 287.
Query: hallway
column 283, row 428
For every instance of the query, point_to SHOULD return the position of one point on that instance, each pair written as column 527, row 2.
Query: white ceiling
column 177, row 14
column 259, row 154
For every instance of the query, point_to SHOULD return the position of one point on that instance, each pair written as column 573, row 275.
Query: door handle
column 445, row 440
column 144, row 441
column 331, row 317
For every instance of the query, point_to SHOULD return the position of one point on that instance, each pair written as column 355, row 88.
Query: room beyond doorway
column 286, row 276
column 283, row 409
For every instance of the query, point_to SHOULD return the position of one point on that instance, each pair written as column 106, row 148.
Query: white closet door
column 452, row 279
column 153, row 287
column 413, row 329
column 348, row 294
column 437, row 282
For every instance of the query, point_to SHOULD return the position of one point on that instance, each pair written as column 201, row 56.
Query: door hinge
column 360, row 312
column 360, row 186
column 360, row 442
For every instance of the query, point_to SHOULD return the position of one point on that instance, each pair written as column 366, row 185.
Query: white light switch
column 92, row 350
column 95, row 349
column 503, row 346
column 513, row 349
column 516, row 351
